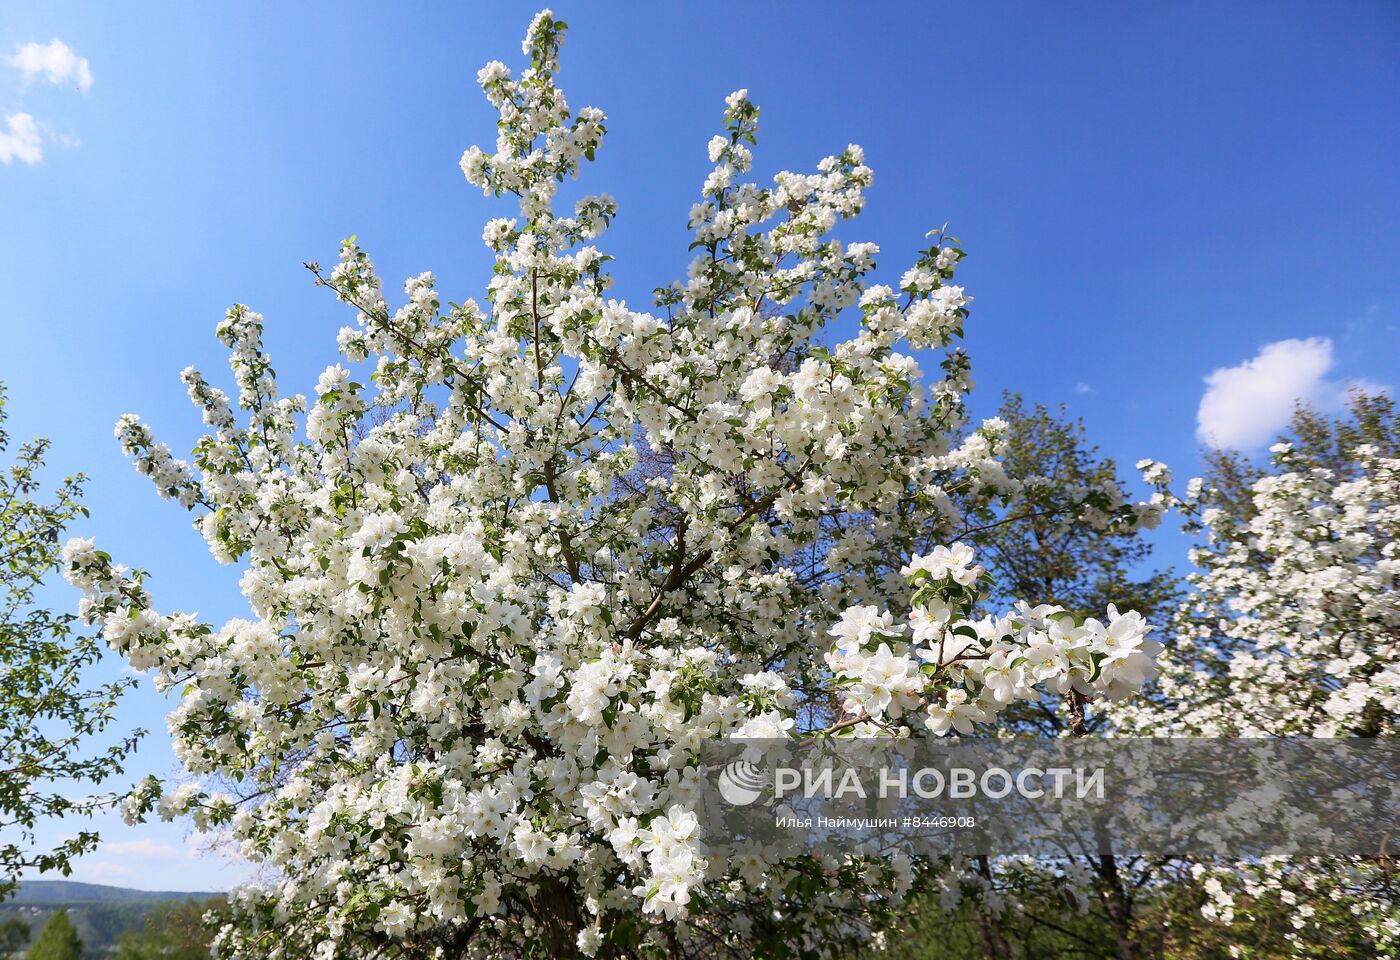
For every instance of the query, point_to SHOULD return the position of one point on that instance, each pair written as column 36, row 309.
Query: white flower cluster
column 964, row 671
column 1293, row 617
column 499, row 600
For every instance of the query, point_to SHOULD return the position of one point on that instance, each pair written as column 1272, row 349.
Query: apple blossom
column 502, row 596
column 1290, row 630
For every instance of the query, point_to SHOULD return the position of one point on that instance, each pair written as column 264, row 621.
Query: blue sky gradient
column 1148, row 192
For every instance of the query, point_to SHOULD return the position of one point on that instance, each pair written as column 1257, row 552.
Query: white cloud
column 21, row 141
column 55, row 60
column 1082, row 388
column 1245, row 407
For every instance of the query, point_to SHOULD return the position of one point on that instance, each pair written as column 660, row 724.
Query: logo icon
column 741, row 783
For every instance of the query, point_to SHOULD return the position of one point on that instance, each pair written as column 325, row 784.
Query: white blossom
column 500, row 596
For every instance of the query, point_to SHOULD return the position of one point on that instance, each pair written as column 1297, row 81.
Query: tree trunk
column 987, row 925
column 1118, row 905
column 555, row 907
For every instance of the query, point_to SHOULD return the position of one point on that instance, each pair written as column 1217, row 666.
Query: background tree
column 58, row 940
column 14, row 934
column 1292, row 623
column 47, row 718
column 1291, row 627
column 175, row 930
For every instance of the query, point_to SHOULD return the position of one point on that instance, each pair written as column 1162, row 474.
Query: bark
column 1118, row 905
column 987, row 925
column 556, row 908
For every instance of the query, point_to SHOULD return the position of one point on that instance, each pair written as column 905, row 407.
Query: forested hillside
column 100, row 913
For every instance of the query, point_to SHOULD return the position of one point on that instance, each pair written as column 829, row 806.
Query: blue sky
column 1151, row 194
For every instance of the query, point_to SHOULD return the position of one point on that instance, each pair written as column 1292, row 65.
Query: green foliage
column 14, row 934
column 46, row 717
column 1049, row 930
column 57, row 941
column 174, row 931
column 1262, row 928
column 1169, row 925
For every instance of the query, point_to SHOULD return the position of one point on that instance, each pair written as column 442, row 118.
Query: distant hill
column 64, row 892
column 100, row 913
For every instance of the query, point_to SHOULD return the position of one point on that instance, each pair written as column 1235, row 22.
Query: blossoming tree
column 1293, row 619
column 501, row 596
column 1291, row 629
